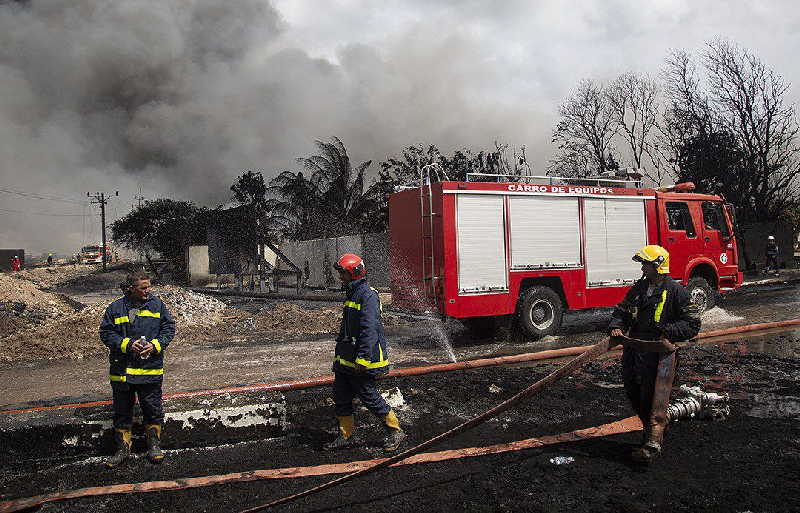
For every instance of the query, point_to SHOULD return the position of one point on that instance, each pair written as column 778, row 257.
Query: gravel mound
column 75, row 334
column 50, row 277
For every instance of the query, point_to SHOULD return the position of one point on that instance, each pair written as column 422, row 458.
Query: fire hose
column 614, row 428
column 410, row 371
column 587, row 353
column 661, row 346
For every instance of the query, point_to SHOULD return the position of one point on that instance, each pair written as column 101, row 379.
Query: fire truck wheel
column 540, row 312
column 701, row 293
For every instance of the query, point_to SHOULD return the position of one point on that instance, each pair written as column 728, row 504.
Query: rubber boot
column 122, row 438
column 346, row 437
column 153, row 436
column 394, row 435
column 657, row 423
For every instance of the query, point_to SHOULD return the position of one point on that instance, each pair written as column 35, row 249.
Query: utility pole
column 99, row 198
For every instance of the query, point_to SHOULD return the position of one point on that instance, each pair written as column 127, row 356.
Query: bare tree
column 634, row 105
column 585, row 132
column 686, row 114
column 751, row 101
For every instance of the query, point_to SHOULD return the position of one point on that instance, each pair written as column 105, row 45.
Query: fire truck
column 530, row 249
column 94, row 254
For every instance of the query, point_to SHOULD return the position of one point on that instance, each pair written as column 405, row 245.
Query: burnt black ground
column 750, row 462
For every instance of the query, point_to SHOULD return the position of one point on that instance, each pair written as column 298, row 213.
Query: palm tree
column 297, row 200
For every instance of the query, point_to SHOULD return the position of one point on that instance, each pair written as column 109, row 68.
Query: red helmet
column 353, row 264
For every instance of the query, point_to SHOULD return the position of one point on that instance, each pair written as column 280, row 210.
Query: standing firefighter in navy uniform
column 137, row 328
column 361, row 357
column 657, row 308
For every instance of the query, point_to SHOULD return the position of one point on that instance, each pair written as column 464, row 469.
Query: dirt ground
column 748, row 462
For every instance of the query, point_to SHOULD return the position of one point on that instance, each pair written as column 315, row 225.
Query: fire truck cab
column 481, row 250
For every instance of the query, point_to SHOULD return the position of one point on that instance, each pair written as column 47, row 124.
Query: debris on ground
column 717, row 315
column 22, row 305
column 52, row 277
column 74, row 335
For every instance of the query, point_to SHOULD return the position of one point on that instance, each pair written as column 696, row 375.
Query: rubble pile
column 22, row 304
column 75, row 334
column 51, row 277
column 294, row 319
column 291, row 318
column 190, row 308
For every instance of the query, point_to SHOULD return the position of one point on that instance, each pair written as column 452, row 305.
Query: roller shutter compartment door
column 615, row 230
column 481, row 244
column 545, row 232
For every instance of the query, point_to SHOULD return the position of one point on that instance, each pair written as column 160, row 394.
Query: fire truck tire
column 701, row 293
column 540, row 312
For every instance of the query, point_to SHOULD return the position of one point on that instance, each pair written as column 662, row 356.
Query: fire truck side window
column 679, row 218
column 714, row 218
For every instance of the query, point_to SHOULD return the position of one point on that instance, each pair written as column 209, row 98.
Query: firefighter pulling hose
column 657, row 309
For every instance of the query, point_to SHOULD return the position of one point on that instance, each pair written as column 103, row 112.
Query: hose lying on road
column 571, row 366
column 410, row 371
column 588, row 353
column 614, row 428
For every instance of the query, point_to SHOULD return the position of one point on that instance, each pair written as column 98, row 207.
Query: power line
column 8, row 210
column 40, row 196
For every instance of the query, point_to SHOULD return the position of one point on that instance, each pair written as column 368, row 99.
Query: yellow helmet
column 654, row 255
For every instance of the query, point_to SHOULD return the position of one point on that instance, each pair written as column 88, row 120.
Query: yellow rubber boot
column 153, row 436
column 395, row 435
column 345, row 438
column 122, row 438
column 346, row 424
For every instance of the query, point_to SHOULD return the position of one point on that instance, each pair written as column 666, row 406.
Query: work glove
column 361, row 369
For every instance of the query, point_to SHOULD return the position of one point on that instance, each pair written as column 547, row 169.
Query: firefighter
column 49, row 259
column 655, row 308
column 361, row 356
column 771, row 253
column 137, row 328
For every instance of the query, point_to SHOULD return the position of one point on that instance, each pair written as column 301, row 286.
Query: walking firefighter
column 361, row 356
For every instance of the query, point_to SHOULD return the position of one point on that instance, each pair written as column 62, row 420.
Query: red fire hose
column 587, row 353
column 411, row 371
column 614, row 428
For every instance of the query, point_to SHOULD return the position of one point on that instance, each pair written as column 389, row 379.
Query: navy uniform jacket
column 669, row 311
column 118, row 332
column 361, row 339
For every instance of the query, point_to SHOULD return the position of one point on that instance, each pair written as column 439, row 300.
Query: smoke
column 178, row 97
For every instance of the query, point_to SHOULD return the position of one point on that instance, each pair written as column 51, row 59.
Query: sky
column 176, row 98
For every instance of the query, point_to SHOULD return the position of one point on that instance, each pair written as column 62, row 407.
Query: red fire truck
column 480, row 250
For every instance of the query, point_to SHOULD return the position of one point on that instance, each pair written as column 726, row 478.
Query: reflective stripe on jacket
column 669, row 310
column 118, row 332
column 361, row 340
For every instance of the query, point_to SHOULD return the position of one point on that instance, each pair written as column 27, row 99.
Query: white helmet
column 770, row 238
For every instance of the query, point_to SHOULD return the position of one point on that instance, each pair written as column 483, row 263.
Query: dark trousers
column 639, row 371
column 347, row 386
column 772, row 262
column 149, row 395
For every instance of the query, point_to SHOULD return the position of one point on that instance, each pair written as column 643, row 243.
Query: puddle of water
column 772, row 406
column 777, row 342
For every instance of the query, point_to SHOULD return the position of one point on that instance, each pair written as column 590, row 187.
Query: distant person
column 361, row 356
column 137, row 328
column 771, row 252
column 655, row 308
column 49, row 259
column 16, row 263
